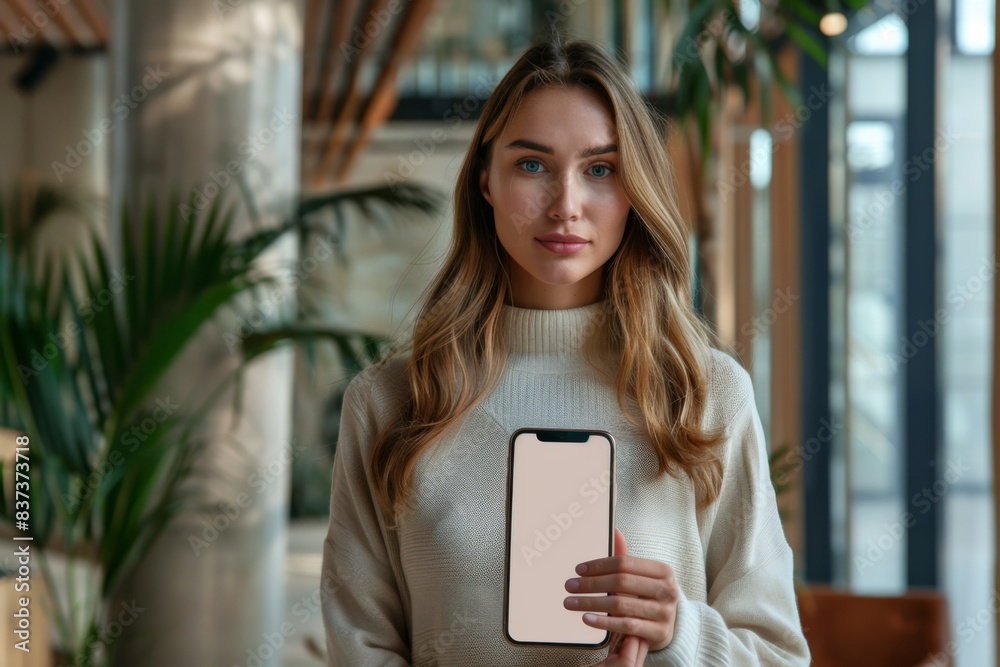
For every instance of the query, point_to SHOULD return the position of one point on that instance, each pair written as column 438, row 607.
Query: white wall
column 61, row 117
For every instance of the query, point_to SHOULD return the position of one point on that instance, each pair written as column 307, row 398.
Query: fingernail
column 572, row 603
column 581, row 568
column 572, row 584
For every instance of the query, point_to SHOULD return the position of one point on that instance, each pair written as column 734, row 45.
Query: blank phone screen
column 560, row 514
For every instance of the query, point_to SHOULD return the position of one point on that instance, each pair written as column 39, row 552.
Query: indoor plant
column 83, row 347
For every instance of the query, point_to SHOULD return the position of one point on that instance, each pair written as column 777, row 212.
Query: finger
column 623, row 583
column 630, row 651
column 619, row 605
column 621, row 546
column 623, row 562
column 625, row 624
column 643, row 651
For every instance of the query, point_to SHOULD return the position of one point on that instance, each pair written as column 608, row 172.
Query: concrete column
column 206, row 92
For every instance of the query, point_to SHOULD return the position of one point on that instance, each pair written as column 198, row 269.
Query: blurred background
column 213, row 214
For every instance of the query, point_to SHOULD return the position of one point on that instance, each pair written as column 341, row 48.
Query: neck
column 542, row 339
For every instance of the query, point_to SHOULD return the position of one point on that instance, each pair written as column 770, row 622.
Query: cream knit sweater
column 432, row 594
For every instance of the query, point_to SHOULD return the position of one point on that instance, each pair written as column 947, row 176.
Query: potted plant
column 80, row 360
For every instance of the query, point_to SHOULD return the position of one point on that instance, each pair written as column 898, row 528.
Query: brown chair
column 844, row 629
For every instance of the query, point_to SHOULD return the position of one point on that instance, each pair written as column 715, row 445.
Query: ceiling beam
column 25, row 12
column 333, row 67
column 382, row 100
column 97, row 19
column 352, row 98
column 7, row 28
column 67, row 26
column 311, row 44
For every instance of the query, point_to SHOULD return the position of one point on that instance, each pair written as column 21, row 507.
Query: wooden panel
column 733, row 232
column 734, row 271
column 96, row 17
column 910, row 630
column 329, row 80
column 63, row 25
column 382, row 99
column 68, row 25
column 786, row 279
column 345, row 118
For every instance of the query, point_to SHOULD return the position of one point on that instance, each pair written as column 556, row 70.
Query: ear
column 484, row 185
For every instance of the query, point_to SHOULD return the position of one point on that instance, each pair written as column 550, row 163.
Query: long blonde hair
column 459, row 345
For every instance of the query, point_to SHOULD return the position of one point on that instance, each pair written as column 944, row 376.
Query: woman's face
column 553, row 173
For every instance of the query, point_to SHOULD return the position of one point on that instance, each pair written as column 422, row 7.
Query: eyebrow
column 596, row 150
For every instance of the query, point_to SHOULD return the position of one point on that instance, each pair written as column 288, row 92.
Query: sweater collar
column 558, row 332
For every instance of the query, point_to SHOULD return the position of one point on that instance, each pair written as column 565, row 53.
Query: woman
column 564, row 302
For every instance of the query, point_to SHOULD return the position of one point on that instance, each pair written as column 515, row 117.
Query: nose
column 566, row 197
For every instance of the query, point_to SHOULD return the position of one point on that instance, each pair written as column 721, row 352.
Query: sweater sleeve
column 363, row 614
column 752, row 616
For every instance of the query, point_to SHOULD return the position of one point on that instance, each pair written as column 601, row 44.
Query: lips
column 562, row 244
column 561, row 238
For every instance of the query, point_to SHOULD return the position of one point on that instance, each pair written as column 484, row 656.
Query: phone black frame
column 555, row 435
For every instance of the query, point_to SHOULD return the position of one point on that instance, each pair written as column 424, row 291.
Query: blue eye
column 602, row 166
column 525, row 162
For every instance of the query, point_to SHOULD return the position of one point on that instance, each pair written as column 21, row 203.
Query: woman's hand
column 629, row 653
column 643, row 604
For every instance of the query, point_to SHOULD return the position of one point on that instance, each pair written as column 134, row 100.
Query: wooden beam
column 64, row 23
column 382, row 100
column 352, row 99
column 786, row 280
column 311, row 44
column 334, row 65
column 7, row 28
column 97, row 19
column 24, row 12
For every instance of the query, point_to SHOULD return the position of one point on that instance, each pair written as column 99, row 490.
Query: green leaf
column 807, row 43
column 164, row 347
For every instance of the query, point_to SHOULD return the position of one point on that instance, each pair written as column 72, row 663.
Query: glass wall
column 871, row 174
column 866, row 271
column 965, row 142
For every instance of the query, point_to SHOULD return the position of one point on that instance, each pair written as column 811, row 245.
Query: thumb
column 621, row 547
column 617, row 644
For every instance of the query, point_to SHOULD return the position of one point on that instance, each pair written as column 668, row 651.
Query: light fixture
column 832, row 24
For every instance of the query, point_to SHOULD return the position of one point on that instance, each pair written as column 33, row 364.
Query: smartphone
column 560, row 513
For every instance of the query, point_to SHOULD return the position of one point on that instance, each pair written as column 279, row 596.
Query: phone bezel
column 554, row 433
